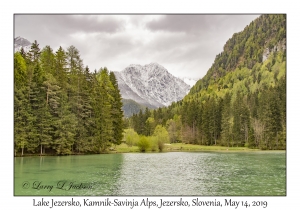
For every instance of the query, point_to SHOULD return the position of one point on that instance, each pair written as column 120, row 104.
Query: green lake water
column 174, row 173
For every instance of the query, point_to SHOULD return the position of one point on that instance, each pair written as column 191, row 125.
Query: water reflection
column 178, row 173
column 99, row 171
column 205, row 173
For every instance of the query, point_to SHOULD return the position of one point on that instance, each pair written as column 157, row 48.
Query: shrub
column 162, row 137
column 143, row 143
column 153, row 143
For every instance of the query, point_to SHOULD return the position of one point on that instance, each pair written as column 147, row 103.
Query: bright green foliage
column 131, row 137
column 20, row 74
column 245, row 49
column 143, row 143
column 162, row 136
column 154, row 144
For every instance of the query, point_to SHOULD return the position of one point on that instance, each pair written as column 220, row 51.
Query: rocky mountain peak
column 20, row 42
column 151, row 85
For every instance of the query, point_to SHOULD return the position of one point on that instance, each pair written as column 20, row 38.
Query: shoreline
column 176, row 147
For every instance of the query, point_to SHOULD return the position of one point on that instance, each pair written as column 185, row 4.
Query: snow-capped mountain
column 151, row 85
column 20, row 42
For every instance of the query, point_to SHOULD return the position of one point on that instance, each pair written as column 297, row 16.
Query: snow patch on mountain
column 20, row 42
column 151, row 84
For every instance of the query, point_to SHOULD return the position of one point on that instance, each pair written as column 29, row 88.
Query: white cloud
column 184, row 44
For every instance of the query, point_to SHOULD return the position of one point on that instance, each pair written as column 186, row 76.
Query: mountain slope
column 252, row 45
column 131, row 107
column 151, row 85
column 128, row 93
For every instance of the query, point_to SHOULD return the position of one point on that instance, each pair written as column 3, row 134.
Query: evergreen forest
column 60, row 107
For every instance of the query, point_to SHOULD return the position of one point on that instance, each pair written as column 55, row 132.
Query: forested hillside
column 130, row 107
column 241, row 101
column 60, row 107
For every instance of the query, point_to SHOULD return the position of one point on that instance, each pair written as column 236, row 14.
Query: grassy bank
column 179, row 147
column 191, row 147
column 176, row 147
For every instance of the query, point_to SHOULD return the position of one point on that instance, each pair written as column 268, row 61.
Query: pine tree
column 60, row 72
column 36, row 97
column 83, row 130
column 116, row 111
column 102, row 109
column 34, row 52
column 64, row 128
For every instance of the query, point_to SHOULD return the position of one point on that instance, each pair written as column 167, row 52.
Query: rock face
column 20, row 42
column 278, row 47
column 151, row 85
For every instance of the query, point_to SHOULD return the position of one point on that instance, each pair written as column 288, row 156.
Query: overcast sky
column 186, row 45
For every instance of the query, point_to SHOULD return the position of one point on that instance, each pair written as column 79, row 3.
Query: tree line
column 60, row 107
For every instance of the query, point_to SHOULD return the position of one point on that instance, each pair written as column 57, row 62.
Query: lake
column 173, row 173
